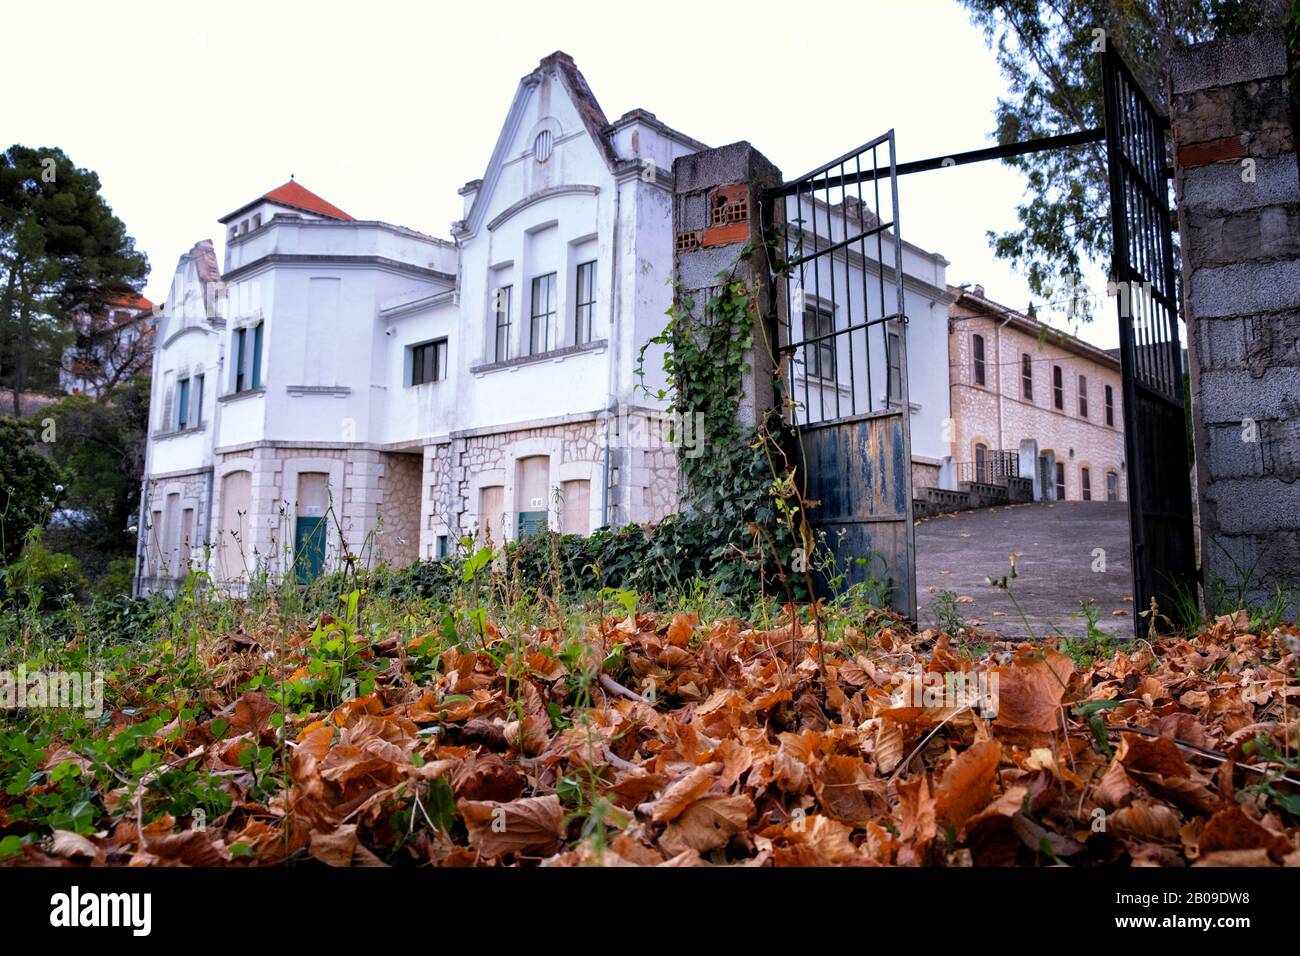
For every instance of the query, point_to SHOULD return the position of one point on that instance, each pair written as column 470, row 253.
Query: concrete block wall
column 1239, row 218
column 730, row 176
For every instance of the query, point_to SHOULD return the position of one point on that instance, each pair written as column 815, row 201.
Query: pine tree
column 61, row 249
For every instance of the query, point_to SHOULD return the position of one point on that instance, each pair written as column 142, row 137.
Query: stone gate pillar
column 717, row 213
column 1239, row 220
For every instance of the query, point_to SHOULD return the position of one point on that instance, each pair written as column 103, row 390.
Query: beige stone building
column 1032, row 401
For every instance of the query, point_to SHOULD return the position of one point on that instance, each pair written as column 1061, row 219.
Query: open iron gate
column 844, row 347
column 1146, row 283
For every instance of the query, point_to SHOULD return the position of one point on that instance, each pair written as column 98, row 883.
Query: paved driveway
column 1055, row 546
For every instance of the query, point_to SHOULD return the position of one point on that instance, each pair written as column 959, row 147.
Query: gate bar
column 1079, row 138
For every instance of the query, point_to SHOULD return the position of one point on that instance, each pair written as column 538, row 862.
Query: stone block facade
column 466, row 470
column 1239, row 215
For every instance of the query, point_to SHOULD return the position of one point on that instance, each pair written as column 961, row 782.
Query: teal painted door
column 309, row 548
column 531, row 522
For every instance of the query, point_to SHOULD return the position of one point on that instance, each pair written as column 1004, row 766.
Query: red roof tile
column 292, row 194
column 132, row 300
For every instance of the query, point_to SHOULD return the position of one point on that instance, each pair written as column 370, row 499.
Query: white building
column 351, row 389
column 112, row 345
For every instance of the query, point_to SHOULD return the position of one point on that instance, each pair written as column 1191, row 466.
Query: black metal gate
column 1146, row 287
column 844, row 347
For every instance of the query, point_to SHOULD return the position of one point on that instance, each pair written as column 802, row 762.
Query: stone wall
column 166, row 557
column 399, row 508
column 1239, row 218
column 373, row 511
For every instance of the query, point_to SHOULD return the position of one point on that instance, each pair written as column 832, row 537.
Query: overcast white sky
column 189, row 110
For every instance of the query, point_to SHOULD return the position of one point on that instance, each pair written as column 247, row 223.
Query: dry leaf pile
column 721, row 744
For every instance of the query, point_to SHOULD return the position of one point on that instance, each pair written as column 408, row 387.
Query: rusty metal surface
column 859, row 479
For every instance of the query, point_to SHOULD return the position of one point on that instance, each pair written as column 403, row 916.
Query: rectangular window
column 1112, row 486
column 819, row 354
column 501, row 309
column 1060, row 481
column 1027, row 377
column 241, row 349
column 1083, row 397
column 182, row 403
column 257, row 221
column 541, row 323
column 187, row 537
column 1085, row 481
column 248, row 358
column 1110, row 407
column 979, row 360
column 442, row 547
column 585, row 309
column 429, row 362
column 255, row 372
column 894, row 359
column 155, row 540
column 197, row 415
column 1058, row 388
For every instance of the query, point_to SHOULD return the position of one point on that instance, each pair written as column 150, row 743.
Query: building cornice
column 354, row 262
column 432, row 300
column 540, row 196
column 185, row 330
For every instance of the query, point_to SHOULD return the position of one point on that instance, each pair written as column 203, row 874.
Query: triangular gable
column 585, row 105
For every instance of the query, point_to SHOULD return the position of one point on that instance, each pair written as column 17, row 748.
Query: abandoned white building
column 346, row 389
column 112, row 344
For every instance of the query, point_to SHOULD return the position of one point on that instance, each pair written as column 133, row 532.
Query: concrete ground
column 1055, row 546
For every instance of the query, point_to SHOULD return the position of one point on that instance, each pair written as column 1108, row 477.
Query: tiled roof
column 293, row 194
column 132, row 300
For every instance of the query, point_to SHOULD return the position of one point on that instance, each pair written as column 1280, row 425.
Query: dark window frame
column 428, row 362
column 819, row 356
column 543, row 321
column 503, row 298
column 584, row 308
column 1083, row 396
column 979, row 359
column 1026, row 377
column 1110, row 406
column 248, row 369
column 1058, row 388
column 1085, row 483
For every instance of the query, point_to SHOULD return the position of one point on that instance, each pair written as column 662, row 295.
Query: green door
column 531, row 522
column 309, row 548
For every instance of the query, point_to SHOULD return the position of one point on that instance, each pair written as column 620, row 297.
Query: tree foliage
column 29, row 486
column 1047, row 52
column 100, row 451
column 61, row 249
